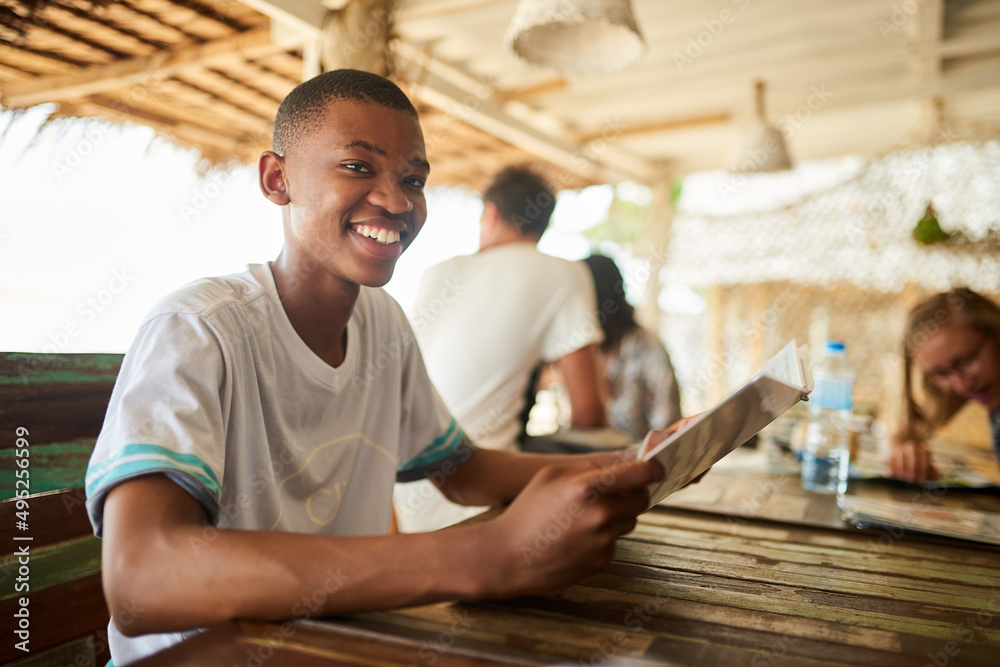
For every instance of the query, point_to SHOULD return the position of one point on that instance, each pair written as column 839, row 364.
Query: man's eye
column 415, row 181
column 356, row 166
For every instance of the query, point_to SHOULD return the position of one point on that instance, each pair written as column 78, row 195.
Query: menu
column 784, row 381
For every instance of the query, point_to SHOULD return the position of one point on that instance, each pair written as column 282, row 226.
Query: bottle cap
column 835, row 346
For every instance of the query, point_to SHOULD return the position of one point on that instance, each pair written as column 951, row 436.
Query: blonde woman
column 952, row 348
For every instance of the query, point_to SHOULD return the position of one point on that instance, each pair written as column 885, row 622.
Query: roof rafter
column 132, row 71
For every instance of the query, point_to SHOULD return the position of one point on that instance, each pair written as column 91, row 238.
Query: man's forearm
column 165, row 570
column 494, row 477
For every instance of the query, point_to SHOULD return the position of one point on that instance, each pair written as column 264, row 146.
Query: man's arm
column 165, row 569
column 585, row 386
column 495, row 477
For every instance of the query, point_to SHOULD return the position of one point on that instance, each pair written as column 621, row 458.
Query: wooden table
column 687, row 588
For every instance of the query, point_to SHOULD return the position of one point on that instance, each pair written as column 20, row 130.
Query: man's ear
column 271, row 178
column 490, row 216
column 490, row 212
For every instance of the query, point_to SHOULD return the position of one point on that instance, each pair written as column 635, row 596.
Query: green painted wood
column 52, row 467
column 60, row 400
column 52, row 565
column 57, row 398
column 22, row 369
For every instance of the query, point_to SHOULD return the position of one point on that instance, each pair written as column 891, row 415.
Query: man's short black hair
column 523, row 198
column 303, row 108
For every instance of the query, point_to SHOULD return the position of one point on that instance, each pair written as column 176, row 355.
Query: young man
column 487, row 321
column 259, row 420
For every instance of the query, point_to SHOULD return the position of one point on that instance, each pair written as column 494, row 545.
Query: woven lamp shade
column 585, row 36
column 762, row 146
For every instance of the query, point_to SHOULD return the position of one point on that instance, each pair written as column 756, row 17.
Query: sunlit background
column 99, row 221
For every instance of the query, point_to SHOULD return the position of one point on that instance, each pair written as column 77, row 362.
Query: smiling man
column 241, row 473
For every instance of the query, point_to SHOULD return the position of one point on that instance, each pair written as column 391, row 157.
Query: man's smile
column 380, row 234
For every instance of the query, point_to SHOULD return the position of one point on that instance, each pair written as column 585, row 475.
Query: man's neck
column 507, row 236
column 318, row 307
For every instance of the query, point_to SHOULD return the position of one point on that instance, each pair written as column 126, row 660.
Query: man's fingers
column 559, row 472
column 656, row 436
column 625, row 476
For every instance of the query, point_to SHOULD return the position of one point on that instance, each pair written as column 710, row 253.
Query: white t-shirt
column 485, row 322
column 219, row 392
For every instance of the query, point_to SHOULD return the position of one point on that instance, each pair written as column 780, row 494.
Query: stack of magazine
column 962, row 524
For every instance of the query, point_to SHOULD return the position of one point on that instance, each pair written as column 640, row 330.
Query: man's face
column 355, row 187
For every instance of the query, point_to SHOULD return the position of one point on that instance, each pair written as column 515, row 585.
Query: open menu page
column 784, row 381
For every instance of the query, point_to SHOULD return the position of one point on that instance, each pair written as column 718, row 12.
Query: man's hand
column 564, row 525
column 910, row 461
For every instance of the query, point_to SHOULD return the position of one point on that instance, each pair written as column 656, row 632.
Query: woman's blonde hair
column 959, row 307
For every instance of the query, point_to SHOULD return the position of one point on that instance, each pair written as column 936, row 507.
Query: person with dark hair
column 486, row 321
column 522, row 200
column 259, row 421
column 951, row 349
column 642, row 390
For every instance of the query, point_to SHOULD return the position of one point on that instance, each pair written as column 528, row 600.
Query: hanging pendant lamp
column 761, row 147
column 583, row 36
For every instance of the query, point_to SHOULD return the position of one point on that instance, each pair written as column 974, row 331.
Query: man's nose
column 390, row 196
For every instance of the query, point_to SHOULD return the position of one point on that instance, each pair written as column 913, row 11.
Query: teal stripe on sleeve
column 439, row 449
column 136, row 458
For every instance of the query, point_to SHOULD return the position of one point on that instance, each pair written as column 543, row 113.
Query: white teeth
column 383, row 236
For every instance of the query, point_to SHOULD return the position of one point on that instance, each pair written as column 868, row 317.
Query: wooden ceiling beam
column 472, row 102
column 170, row 127
column 135, row 71
column 666, row 125
column 926, row 31
column 530, row 92
column 30, row 62
column 101, row 19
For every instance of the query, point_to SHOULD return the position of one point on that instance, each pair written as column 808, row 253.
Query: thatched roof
column 207, row 73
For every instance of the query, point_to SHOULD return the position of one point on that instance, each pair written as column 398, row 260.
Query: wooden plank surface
column 689, row 588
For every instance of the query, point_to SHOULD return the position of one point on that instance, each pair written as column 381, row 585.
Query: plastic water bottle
column 826, row 456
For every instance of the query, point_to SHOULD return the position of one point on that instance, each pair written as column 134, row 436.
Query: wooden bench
column 57, row 402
